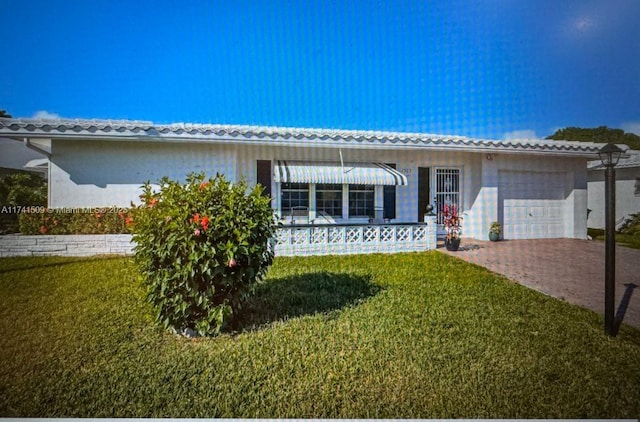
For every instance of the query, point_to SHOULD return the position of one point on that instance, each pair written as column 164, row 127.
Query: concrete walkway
column 568, row 269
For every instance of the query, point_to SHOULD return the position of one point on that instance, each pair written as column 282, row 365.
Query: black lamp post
column 609, row 155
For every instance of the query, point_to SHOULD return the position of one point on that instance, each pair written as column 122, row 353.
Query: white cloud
column 44, row 114
column 632, row 127
column 520, row 134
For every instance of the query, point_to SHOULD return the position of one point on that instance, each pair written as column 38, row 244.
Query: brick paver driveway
column 569, row 269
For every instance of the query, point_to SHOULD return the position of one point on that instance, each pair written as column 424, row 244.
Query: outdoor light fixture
column 609, row 155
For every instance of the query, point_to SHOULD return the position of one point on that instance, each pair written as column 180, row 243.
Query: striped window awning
column 350, row 173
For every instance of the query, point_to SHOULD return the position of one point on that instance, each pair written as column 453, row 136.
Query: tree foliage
column 3, row 113
column 602, row 134
column 20, row 189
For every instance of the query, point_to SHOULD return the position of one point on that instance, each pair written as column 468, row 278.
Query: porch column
column 345, row 202
column 378, row 201
column 312, row 202
column 432, row 231
column 488, row 205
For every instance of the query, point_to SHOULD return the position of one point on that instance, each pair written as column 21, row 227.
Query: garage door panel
column 555, row 212
column 516, row 213
column 554, row 193
column 532, row 204
column 515, row 231
column 539, row 231
column 556, row 228
column 537, row 212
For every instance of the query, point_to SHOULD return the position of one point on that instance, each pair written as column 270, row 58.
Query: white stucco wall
column 485, row 208
column 406, row 161
column 479, row 180
column 101, row 174
column 627, row 202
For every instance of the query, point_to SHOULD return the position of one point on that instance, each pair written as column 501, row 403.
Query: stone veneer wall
column 66, row 245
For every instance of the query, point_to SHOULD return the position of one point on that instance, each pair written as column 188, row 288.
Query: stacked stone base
column 66, row 245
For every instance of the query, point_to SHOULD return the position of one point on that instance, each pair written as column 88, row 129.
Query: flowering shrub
column 202, row 246
column 452, row 221
column 52, row 221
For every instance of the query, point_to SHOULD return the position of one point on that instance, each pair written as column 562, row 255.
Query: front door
column 424, row 191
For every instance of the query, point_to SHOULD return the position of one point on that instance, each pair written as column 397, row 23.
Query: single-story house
column 318, row 177
column 16, row 156
column 627, row 189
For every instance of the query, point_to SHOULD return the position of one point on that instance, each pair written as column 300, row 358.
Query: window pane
column 361, row 200
column 293, row 195
column 329, row 199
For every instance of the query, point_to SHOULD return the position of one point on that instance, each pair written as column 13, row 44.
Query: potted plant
column 452, row 224
column 494, row 231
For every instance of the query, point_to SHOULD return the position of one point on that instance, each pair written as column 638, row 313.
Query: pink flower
column 128, row 221
column 153, row 202
column 204, row 222
column 196, row 232
column 43, row 229
column 232, row 263
column 204, row 185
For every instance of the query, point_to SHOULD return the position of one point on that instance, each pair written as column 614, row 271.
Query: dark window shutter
column 264, row 176
column 389, row 199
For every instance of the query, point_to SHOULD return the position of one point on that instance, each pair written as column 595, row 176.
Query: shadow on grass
column 622, row 308
column 36, row 262
column 305, row 294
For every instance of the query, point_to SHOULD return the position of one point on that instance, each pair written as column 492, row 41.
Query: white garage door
column 532, row 204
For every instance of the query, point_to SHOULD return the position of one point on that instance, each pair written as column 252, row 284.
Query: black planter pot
column 452, row 244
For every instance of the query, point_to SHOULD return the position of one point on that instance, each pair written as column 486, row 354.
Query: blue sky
column 491, row 69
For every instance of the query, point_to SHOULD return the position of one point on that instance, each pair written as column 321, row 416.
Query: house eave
column 133, row 131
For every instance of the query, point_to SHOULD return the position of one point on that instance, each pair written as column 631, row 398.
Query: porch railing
column 341, row 239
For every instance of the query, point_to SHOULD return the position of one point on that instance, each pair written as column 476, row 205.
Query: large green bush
column 202, row 246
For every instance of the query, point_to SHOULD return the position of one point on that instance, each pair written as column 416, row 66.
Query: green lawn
column 621, row 239
column 386, row 336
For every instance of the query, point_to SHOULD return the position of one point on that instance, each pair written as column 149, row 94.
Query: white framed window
column 447, row 190
column 329, row 199
column 361, row 200
column 293, row 196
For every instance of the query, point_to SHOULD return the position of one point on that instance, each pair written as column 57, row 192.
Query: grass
column 379, row 336
column 627, row 240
